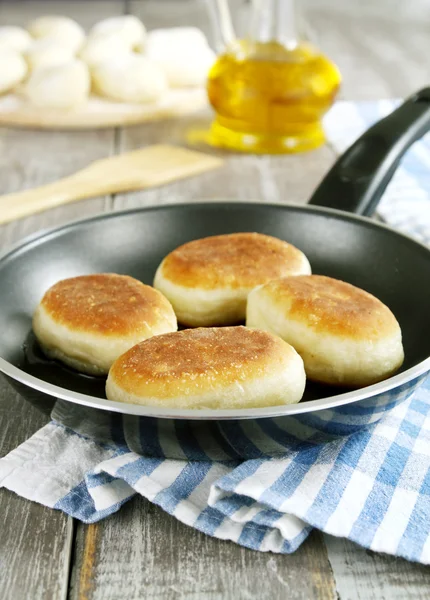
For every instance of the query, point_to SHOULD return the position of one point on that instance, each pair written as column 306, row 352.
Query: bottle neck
column 223, row 30
column 274, row 21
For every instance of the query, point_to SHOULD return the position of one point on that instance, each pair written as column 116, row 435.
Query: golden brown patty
column 88, row 321
column 333, row 306
column 344, row 334
column 104, row 303
column 208, row 280
column 227, row 367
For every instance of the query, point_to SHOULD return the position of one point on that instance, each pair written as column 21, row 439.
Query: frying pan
column 392, row 266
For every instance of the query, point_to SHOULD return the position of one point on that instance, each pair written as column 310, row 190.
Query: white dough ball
column 61, row 86
column 14, row 38
column 48, row 52
column 183, row 54
column 128, row 27
column 160, row 41
column 13, row 69
column 67, row 31
column 102, row 48
column 129, row 78
column 186, row 68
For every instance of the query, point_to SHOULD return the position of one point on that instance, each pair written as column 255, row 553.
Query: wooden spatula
column 139, row 169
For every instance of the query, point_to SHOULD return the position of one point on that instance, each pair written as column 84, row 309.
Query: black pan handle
column 359, row 177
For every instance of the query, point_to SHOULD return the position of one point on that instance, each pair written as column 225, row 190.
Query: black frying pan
column 372, row 256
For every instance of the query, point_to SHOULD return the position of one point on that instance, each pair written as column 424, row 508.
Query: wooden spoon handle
column 22, row 204
column 138, row 169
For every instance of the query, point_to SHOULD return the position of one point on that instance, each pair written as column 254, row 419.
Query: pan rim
column 285, row 410
column 48, row 231
column 211, row 414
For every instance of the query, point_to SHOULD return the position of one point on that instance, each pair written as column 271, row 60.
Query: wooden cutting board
column 100, row 113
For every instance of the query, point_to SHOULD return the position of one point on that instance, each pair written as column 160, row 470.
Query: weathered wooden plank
column 172, row 13
column 31, row 158
column 86, row 13
column 392, row 10
column 364, row 575
column 143, row 553
column 36, row 542
column 248, row 178
column 378, row 47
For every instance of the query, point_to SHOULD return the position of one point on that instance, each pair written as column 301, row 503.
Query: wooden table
column 141, row 552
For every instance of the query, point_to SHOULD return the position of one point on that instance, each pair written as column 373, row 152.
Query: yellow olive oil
column 271, row 99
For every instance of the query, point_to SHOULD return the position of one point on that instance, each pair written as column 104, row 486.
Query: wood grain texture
column 86, row 13
column 172, row 13
column 156, row 557
column 364, row 575
column 30, row 159
column 243, row 177
column 378, row 46
column 146, row 167
column 35, row 542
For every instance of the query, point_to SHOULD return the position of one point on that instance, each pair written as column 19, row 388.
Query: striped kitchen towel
column 372, row 487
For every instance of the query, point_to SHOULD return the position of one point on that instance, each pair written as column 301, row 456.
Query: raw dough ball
column 102, row 48
column 48, row 52
column 159, row 40
column 182, row 53
column 14, row 38
column 129, row 78
column 13, row 69
column 63, row 29
column 61, row 86
column 128, row 27
column 187, row 68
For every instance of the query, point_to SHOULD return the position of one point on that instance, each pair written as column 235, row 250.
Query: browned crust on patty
column 332, row 306
column 237, row 260
column 106, row 303
column 195, row 361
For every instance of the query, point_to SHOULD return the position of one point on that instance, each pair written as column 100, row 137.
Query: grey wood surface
column 35, row 542
column 378, row 46
column 159, row 557
column 141, row 552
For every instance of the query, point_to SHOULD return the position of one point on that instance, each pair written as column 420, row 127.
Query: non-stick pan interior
column 390, row 266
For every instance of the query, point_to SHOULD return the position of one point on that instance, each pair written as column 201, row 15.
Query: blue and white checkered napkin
column 372, row 487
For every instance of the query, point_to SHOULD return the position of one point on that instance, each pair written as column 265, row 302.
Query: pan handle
column 359, row 177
